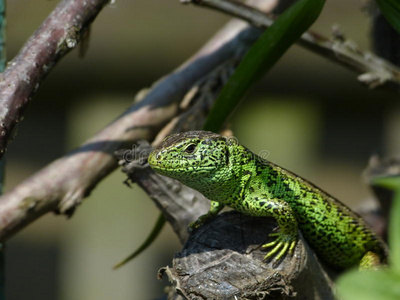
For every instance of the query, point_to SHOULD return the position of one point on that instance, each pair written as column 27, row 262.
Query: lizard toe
column 282, row 244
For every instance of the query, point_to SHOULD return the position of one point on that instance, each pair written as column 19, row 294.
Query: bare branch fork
column 373, row 71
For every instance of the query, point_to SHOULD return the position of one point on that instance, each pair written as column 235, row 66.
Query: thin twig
column 373, row 71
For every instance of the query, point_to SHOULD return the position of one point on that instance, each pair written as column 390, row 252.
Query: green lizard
column 231, row 175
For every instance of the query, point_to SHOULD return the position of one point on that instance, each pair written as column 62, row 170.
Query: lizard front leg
column 281, row 211
column 215, row 208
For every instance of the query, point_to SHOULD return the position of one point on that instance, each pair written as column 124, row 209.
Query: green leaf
column 265, row 52
column 387, row 182
column 149, row 240
column 369, row 285
column 391, row 10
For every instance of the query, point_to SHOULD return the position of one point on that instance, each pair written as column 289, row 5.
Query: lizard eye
column 190, row 149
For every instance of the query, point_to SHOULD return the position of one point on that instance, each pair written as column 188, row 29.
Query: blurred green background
column 311, row 115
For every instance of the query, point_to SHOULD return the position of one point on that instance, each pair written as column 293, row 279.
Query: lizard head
column 199, row 159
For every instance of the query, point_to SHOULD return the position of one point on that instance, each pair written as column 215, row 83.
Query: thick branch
column 373, row 71
column 223, row 259
column 58, row 34
column 65, row 182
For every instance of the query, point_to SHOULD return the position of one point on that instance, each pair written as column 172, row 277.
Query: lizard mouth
column 169, row 170
column 178, row 169
column 172, row 167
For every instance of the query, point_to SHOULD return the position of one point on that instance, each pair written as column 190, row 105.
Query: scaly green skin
column 230, row 174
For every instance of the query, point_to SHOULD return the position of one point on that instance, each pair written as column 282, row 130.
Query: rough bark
column 58, row 34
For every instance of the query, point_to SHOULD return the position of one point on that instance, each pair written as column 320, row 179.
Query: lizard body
column 231, row 175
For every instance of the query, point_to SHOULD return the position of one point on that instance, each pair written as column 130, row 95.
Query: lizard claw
column 283, row 244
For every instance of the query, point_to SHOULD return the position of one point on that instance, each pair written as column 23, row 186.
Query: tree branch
column 63, row 184
column 57, row 35
column 373, row 71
